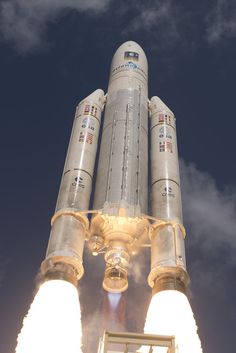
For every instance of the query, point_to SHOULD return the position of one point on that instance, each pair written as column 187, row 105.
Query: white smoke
column 139, row 266
column 24, row 22
column 221, row 21
column 91, row 323
column 209, row 214
column 209, row 211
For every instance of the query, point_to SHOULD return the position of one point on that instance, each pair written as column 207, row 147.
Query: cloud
column 209, row 211
column 156, row 20
column 24, row 23
column 209, row 215
column 173, row 24
column 152, row 16
column 221, row 21
column 168, row 23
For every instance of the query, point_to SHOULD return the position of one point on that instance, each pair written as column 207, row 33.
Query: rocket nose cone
column 130, row 56
column 159, row 105
column 130, row 45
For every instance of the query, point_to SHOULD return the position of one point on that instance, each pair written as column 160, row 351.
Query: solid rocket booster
column 168, row 264
column 69, row 224
column 120, row 223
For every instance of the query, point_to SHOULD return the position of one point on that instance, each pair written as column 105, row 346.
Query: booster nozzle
column 51, row 270
column 170, row 282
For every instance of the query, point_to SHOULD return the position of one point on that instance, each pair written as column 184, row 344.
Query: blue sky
column 53, row 54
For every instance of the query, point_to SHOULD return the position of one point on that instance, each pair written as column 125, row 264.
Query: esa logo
column 78, row 181
column 168, row 191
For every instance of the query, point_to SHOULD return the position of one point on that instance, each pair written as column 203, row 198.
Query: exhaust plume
column 170, row 314
column 53, row 323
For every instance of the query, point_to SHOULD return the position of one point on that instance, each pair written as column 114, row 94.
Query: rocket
column 130, row 207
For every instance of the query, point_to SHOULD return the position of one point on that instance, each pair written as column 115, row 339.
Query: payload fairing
column 120, row 222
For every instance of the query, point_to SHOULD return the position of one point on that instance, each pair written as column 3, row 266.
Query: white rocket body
column 121, row 190
column 168, row 264
column 121, row 223
column 64, row 255
column 122, row 174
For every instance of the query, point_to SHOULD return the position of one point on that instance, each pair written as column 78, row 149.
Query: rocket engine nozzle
column 170, row 282
column 117, row 261
column 51, row 270
column 115, row 233
column 115, row 279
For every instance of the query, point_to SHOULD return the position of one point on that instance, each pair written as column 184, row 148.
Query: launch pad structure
column 126, row 342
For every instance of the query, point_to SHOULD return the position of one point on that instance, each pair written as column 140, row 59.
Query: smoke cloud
column 209, row 211
column 139, row 266
column 221, row 21
column 91, row 330
column 24, row 23
column 209, row 216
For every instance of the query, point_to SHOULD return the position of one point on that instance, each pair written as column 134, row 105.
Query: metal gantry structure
column 126, row 342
